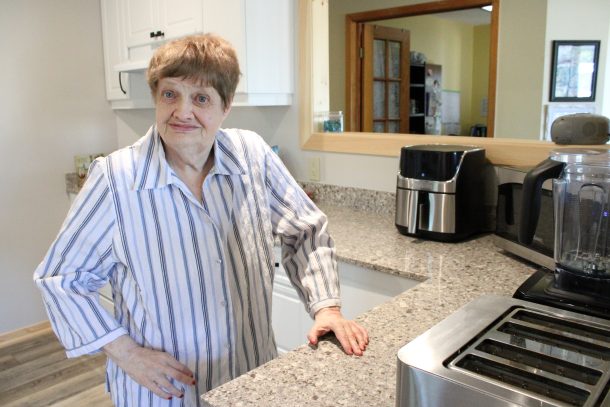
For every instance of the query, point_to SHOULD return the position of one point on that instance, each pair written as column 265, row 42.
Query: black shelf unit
column 417, row 96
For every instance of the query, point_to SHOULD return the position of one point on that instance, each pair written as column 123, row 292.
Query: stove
column 499, row 351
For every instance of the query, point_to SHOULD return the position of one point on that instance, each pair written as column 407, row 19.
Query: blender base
column 541, row 288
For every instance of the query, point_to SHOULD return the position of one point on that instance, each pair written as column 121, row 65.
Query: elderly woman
column 182, row 224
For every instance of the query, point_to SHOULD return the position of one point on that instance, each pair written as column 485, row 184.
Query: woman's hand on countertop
column 353, row 337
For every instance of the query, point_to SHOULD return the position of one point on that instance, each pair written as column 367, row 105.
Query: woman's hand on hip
column 151, row 368
column 353, row 337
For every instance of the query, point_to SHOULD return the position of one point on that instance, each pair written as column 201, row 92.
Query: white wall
column 53, row 107
column 583, row 20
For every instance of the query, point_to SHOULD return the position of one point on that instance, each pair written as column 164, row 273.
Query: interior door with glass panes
column 385, row 79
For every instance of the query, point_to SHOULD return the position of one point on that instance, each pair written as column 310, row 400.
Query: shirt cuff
column 96, row 345
column 317, row 306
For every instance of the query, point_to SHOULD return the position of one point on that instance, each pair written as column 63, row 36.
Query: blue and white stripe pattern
column 190, row 278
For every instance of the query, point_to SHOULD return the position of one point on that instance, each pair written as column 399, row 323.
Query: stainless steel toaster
column 501, row 352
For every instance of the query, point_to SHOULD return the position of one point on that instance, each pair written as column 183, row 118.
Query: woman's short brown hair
column 206, row 58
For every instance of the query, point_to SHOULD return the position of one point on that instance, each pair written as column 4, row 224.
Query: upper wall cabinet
column 262, row 32
column 149, row 21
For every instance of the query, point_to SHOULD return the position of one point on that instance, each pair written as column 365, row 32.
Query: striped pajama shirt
column 190, row 278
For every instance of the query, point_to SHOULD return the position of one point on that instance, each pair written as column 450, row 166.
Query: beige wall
column 53, row 107
column 480, row 73
column 521, row 56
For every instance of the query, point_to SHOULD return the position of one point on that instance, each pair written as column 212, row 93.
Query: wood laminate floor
column 34, row 371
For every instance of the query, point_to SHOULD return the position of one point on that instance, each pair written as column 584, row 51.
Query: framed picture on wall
column 574, row 71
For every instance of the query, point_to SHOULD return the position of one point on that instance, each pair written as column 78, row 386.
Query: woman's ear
column 227, row 110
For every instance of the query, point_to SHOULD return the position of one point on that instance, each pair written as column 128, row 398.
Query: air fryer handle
column 532, row 192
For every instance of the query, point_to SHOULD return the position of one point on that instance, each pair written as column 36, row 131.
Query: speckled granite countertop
column 451, row 275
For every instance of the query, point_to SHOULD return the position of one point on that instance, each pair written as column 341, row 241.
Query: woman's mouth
column 182, row 128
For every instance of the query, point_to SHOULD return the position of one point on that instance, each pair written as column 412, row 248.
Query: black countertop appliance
column 440, row 191
column 580, row 280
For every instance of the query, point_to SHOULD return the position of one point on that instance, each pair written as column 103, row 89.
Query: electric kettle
column 581, row 183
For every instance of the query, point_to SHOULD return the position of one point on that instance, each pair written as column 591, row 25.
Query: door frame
column 353, row 74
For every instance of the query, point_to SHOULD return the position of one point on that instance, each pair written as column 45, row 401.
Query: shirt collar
column 228, row 159
column 153, row 170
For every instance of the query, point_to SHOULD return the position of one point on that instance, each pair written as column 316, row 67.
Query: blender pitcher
column 581, row 182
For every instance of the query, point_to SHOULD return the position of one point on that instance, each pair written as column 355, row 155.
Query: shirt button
column 223, row 303
column 219, row 261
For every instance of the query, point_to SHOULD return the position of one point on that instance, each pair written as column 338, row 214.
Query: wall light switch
column 314, row 168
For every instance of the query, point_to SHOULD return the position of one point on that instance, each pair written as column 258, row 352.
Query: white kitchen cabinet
column 289, row 319
column 268, row 61
column 262, row 32
column 123, row 89
column 151, row 21
column 114, row 50
column 361, row 290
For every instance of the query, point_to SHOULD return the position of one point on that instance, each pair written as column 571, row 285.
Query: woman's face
column 187, row 113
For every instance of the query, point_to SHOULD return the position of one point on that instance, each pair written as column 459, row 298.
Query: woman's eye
column 202, row 99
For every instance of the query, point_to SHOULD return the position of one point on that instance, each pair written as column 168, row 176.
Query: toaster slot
column 563, row 325
column 542, row 362
column 525, row 380
column 556, row 340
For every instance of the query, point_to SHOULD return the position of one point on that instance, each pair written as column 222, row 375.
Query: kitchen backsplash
column 355, row 198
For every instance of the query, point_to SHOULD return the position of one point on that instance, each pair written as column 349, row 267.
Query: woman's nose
column 184, row 109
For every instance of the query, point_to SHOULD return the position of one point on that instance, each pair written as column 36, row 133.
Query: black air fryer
column 440, row 191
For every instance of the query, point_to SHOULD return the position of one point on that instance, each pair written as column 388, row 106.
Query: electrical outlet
column 314, row 168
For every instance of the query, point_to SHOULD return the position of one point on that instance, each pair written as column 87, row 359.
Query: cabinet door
column 180, row 18
column 270, row 36
column 114, row 50
column 229, row 21
column 290, row 321
column 140, row 19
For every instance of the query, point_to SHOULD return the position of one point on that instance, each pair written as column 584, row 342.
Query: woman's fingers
column 361, row 335
column 352, row 340
column 167, row 388
column 181, row 368
column 178, row 371
column 352, row 337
